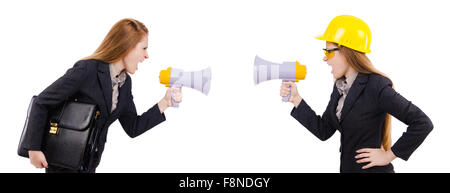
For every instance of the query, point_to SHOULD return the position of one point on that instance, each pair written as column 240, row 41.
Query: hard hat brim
column 321, row 37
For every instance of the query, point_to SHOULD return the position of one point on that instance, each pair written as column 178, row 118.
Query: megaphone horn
column 287, row 71
column 199, row 80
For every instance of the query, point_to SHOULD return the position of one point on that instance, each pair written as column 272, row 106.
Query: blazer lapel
column 334, row 101
column 105, row 83
column 353, row 94
column 123, row 93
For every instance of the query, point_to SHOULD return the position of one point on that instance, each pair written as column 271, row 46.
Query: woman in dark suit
column 101, row 79
column 361, row 104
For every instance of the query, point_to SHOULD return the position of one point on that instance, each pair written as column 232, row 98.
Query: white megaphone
column 287, row 71
column 199, row 80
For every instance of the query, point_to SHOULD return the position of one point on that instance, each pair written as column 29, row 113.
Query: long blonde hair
column 119, row 41
column 361, row 63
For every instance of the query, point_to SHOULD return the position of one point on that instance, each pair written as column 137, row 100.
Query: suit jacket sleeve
column 52, row 97
column 419, row 125
column 319, row 126
column 133, row 124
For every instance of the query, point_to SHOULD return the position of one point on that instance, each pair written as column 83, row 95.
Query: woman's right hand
column 37, row 159
column 284, row 91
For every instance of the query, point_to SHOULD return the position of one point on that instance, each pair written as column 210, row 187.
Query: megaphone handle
column 286, row 98
column 174, row 103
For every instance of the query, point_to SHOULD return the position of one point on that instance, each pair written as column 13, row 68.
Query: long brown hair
column 361, row 63
column 119, row 41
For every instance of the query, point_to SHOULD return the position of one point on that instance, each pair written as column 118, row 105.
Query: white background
column 239, row 126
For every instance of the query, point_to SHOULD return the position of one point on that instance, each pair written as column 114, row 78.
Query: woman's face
column 339, row 65
column 137, row 55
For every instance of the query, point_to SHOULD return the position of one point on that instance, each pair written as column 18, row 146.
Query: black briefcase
column 23, row 143
column 70, row 135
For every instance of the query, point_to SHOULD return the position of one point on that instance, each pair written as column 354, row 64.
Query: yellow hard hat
column 350, row 32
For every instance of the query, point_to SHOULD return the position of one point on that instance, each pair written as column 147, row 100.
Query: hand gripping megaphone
column 287, row 71
column 199, row 80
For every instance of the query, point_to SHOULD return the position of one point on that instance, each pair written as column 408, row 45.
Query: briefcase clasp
column 97, row 113
column 54, row 128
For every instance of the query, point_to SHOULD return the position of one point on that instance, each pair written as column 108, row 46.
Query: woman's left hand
column 166, row 101
column 375, row 157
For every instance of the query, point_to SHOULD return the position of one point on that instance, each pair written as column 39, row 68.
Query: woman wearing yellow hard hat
column 361, row 104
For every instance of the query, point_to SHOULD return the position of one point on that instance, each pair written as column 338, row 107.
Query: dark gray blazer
column 369, row 99
column 89, row 81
